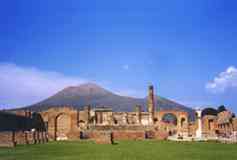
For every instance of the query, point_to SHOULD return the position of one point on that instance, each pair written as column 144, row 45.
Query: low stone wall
column 159, row 135
column 7, row 139
column 128, row 135
column 109, row 137
column 100, row 137
column 31, row 138
column 11, row 138
column 74, row 135
column 120, row 127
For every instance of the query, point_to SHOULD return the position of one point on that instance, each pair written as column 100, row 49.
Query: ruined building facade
column 67, row 123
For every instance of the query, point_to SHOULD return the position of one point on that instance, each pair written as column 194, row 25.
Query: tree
column 233, row 115
column 221, row 108
column 209, row 111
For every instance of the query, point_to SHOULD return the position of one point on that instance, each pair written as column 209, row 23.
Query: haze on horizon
column 186, row 49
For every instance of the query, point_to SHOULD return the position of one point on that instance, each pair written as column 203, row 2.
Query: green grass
column 124, row 150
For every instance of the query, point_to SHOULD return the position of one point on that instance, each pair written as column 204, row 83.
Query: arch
column 182, row 121
column 62, row 126
column 170, row 118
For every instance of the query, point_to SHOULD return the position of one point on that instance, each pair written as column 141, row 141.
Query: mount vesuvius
column 94, row 95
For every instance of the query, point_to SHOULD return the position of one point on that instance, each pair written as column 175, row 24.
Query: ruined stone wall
column 209, row 126
column 225, row 123
column 103, row 118
column 126, row 118
column 146, row 118
column 165, row 127
column 234, row 121
column 225, row 129
column 158, row 135
column 120, row 127
column 11, row 138
column 192, row 127
column 100, row 137
column 120, row 118
column 133, row 118
column 107, row 137
column 182, row 126
column 6, row 139
column 62, row 123
column 68, row 123
column 128, row 135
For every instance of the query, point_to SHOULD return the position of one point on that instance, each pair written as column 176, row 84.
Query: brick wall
column 108, row 137
column 159, row 135
column 6, row 139
column 10, row 138
column 20, row 137
column 100, row 137
column 128, row 135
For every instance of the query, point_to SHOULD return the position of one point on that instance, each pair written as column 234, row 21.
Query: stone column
column 151, row 104
column 138, row 112
column 87, row 109
column 199, row 121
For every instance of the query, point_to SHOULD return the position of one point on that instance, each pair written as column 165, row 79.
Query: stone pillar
column 78, row 117
column 151, row 103
column 93, row 116
column 101, row 117
column 199, row 121
column 138, row 112
column 87, row 110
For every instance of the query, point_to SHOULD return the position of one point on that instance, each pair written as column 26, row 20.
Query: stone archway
column 62, row 126
column 170, row 122
column 173, row 121
column 170, row 118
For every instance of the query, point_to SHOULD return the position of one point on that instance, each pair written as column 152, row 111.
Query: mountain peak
column 93, row 94
column 87, row 89
column 89, row 85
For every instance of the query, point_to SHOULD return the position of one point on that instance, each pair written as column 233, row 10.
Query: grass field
column 124, row 150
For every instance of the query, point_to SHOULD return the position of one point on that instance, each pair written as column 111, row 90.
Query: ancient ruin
column 104, row 126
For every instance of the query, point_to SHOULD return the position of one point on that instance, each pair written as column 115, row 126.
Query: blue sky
column 187, row 49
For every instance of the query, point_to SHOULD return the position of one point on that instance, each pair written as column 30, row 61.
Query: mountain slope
column 94, row 95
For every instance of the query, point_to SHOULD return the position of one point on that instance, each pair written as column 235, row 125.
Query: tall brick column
column 151, row 103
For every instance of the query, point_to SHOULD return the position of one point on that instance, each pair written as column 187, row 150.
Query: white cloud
column 125, row 67
column 23, row 86
column 223, row 81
